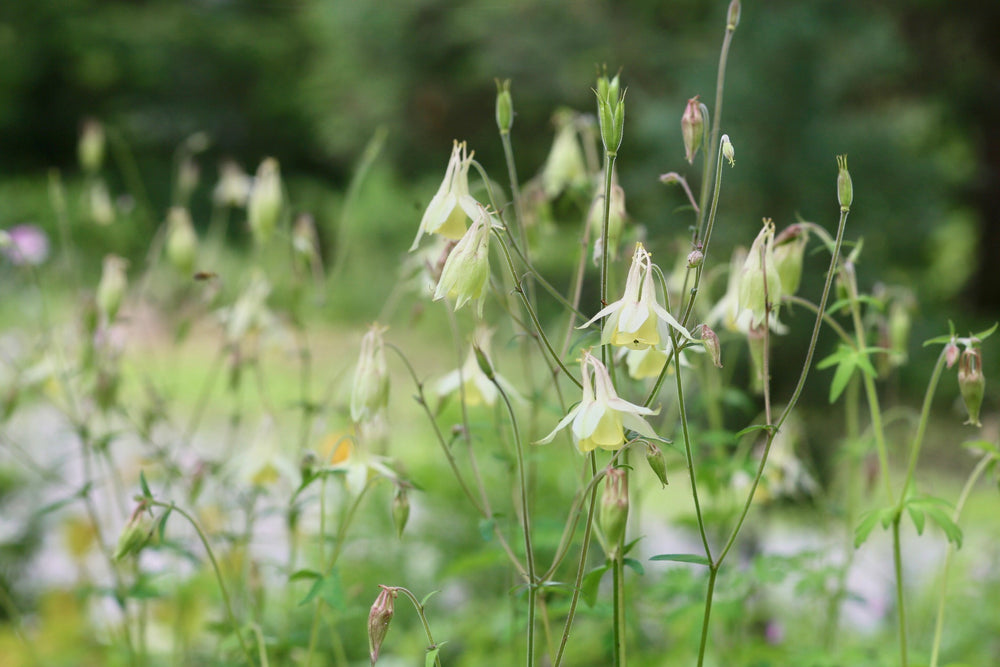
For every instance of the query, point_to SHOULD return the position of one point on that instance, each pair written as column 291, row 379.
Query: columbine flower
column 452, row 205
column 477, row 388
column 632, row 320
column 467, row 269
column 760, row 286
column 564, row 167
column 600, row 418
column 265, row 201
column 370, row 392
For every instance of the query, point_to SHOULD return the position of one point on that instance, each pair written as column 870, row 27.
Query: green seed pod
column 505, row 107
column 654, row 457
column 135, row 535
column 845, row 189
column 692, row 128
column 613, row 514
column 972, row 383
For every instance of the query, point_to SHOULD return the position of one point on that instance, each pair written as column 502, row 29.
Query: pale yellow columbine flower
column 633, row 319
column 466, row 272
column 727, row 310
column 370, row 391
column 477, row 388
column 600, row 418
column 452, row 204
column 759, row 278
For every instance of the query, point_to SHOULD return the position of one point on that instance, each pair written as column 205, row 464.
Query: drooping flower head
column 632, row 321
column 477, row 388
column 601, row 416
column 452, row 204
column 760, row 285
column 466, row 272
column 370, row 392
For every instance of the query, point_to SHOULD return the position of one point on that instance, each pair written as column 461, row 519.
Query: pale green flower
column 632, row 321
column 600, row 418
column 452, row 204
column 466, row 272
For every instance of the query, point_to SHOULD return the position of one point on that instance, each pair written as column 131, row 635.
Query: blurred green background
column 909, row 90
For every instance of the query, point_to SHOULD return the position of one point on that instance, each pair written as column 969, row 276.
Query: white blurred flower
column 452, row 204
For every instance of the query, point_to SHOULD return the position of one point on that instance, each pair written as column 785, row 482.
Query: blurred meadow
column 252, row 367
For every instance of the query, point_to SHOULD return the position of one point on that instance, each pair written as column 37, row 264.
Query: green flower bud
column 733, row 15
column 135, row 534
column 466, row 272
column 692, row 128
column 654, row 457
column 972, row 383
column 613, row 514
column 564, row 166
column 789, row 249
column 379, row 618
column 265, row 202
column 845, row 189
column 727, row 150
column 483, row 362
column 611, row 113
column 90, row 149
column 505, row 107
column 182, row 241
column 400, row 510
column 111, row 289
column 695, row 258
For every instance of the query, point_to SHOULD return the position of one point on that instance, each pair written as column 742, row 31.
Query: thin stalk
column 423, row 620
column 897, row 564
column 218, row 573
column 689, row 308
column 584, row 551
column 525, row 523
column 713, row 572
column 918, row 437
column 713, row 139
column 963, row 496
column 531, row 312
column 618, row 579
column 515, row 189
column 609, row 165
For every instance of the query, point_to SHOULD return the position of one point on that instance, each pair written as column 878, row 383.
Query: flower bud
column 111, row 289
column 182, row 241
column 692, row 128
column 611, row 113
column 505, row 107
column 564, row 168
column 378, row 620
column 727, row 150
column 102, row 209
column 400, row 509
column 711, row 342
column 951, row 353
column 90, row 149
column 972, row 383
column 466, row 272
column 135, row 534
column 654, row 457
column 613, row 514
column 789, row 249
column 370, row 392
column 845, row 189
column 483, row 362
column 733, row 15
column 265, row 202
column 695, row 258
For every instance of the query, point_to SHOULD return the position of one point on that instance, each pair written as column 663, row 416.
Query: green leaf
column 423, row 601
column 304, row 574
column 983, row 335
column 143, row 485
column 486, row 529
column 865, row 527
column 950, row 528
column 984, row 446
column 431, row 657
column 628, row 547
column 634, row 564
column 328, row 589
column 162, row 526
column 841, row 377
column 591, row 581
column 917, row 516
column 751, row 429
column 938, row 340
column 683, row 558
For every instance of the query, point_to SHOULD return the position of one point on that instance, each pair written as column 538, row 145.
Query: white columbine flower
column 466, row 272
column 370, row 391
column 632, row 320
column 452, row 205
column 477, row 388
column 760, row 285
column 600, row 418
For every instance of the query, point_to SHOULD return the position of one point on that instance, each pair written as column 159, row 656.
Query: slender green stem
column 515, row 189
column 713, row 572
column 581, row 568
column 525, row 523
column 531, row 312
column 689, row 308
column 980, row 468
column 218, row 573
column 918, row 437
column 423, row 620
column 713, row 139
column 897, row 563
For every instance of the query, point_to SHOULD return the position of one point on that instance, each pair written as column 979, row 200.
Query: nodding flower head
column 466, row 272
column 633, row 320
column 599, row 419
column 452, row 204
